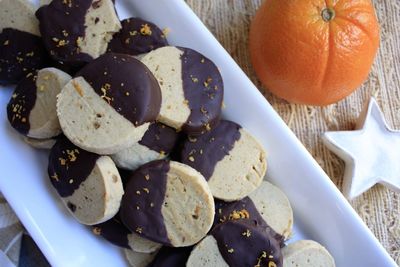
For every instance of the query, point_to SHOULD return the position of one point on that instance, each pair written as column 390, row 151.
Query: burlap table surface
column 229, row 21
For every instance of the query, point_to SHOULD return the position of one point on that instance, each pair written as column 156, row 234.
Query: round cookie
column 137, row 259
column 18, row 15
column 77, row 31
column 169, row 203
column 157, row 143
column 116, row 233
column 137, row 36
column 236, row 244
column 232, row 161
column 109, row 103
column 306, row 253
column 21, row 53
column 171, row 257
column 191, row 87
column 32, row 107
column 89, row 184
column 40, row 143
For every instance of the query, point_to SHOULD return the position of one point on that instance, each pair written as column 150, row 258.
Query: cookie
column 231, row 160
column 77, row 31
column 191, row 86
column 21, row 53
column 116, row 233
column 266, row 207
column 137, row 36
column 108, row 105
column 18, row 15
column 306, row 253
column 44, row 2
column 169, row 203
column 40, row 143
column 157, row 143
column 137, row 259
column 235, row 243
column 32, row 107
column 89, row 184
column 171, row 257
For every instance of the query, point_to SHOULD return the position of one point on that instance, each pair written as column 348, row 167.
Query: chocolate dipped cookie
column 157, row 143
column 231, row 160
column 191, row 87
column 169, row 203
column 77, row 31
column 32, row 107
column 108, row 105
column 88, row 184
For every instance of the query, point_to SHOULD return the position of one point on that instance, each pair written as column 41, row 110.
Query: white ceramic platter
column 321, row 212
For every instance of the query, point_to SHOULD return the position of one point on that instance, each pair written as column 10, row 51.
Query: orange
column 313, row 52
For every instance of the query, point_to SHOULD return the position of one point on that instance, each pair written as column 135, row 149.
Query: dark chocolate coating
column 62, row 26
column 171, row 257
column 21, row 104
column 143, row 200
column 69, row 166
column 132, row 40
column 242, row 244
column 203, row 89
column 243, row 209
column 203, row 152
column 126, row 84
column 20, row 53
column 113, row 231
column 160, row 138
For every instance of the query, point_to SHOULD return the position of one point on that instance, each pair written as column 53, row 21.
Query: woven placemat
column 379, row 208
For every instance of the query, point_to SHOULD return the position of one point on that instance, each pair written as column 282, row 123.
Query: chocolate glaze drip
column 143, row 199
column 21, row 104
column 133, row 39
column 69, row 166
column 242, row 244
column 113, row 231
column 204, row 89
column 171, row 257
column 126, row 84
column 20, row 53
column 160, row 138
column 243, row 209
column 203, row 152
column 62, row 26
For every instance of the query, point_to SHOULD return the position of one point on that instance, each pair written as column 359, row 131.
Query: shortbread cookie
column 44, row 2
column 171, row 257
column 77, row 31
column 18, row 15
column 231, row 160
column 88, row 184
column 137, row 259
column 107, row 107
column 32, row 107
column 266, row 207
column 235, row 243
column 306, row 253
column 168, row 202
column 21, row 53
column 40, row 143
column 191, row 86
column 158, row 141
column 116, row 233
column 137, row 36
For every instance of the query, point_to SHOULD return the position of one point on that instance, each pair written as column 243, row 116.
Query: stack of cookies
column 138, row 149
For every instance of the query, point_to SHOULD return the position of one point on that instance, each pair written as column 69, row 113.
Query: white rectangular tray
column 321, row 212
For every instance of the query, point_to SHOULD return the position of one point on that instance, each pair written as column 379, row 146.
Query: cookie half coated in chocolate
column 157, row 143
column 32, row 107
column 171, row 257
column 21, row 53
column 236, row 244
column 137, row 36
column 191, row 86
column 169, row 203
column 77, row 31
column 88, row 184
column 232, row 161
column 306, row 253
column 108, row 105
